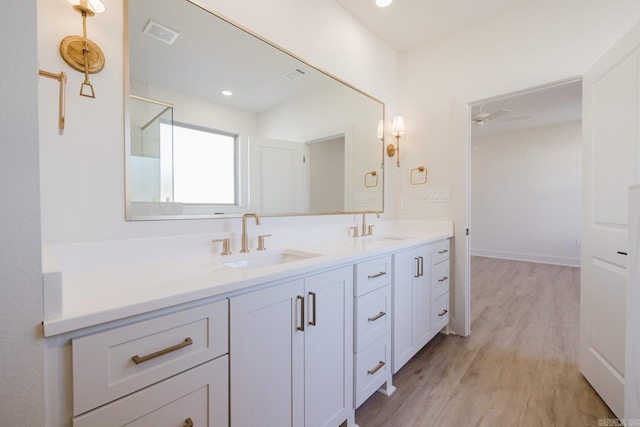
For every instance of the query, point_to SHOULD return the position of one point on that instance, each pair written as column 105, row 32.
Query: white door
column 328, row 361
column 610, row 159
column 632, row 365
column 422, row 298
column 405, row 269
column 278, row 178
column 267, row 357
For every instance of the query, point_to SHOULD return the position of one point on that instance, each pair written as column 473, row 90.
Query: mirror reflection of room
column 275, row 135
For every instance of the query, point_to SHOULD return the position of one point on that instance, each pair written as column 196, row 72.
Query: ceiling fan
column 481, row 117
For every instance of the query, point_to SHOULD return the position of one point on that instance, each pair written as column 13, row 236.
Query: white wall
column 525, row 194
column 83, row 170
column 21, row 351
column 532, row 44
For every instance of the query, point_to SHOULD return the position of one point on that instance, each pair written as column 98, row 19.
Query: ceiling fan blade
column 509, row 119
column 496, row 114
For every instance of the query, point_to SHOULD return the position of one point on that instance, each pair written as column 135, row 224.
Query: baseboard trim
column 541, row 259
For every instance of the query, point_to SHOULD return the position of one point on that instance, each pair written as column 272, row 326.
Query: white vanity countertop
column 104, row 293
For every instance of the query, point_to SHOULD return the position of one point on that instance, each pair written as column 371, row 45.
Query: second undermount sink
column 267, row 258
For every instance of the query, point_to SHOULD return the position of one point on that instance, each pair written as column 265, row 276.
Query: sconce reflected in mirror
column 81, row 53
column 397, row 131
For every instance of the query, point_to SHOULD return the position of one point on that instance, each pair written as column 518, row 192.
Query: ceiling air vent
column 294, row 74
column 160, row 32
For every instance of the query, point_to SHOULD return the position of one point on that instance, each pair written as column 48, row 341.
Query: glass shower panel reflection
column 151, row 161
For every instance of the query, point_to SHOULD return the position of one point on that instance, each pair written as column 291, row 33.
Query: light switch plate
column 404, row 202
column 439, row 195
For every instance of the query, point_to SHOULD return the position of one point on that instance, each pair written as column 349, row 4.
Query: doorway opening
column 524, row 177
column 326, row 171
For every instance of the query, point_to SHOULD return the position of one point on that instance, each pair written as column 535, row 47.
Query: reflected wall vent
column 160, row 32
column 294, row 74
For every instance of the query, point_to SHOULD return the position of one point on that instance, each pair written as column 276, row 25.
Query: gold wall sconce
column 397, row 131
column 81, row 53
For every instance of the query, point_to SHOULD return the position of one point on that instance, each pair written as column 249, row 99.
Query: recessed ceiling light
column 227, row 93
column 382, row 3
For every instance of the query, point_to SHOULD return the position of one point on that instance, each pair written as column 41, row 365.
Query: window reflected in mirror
column 204, row 165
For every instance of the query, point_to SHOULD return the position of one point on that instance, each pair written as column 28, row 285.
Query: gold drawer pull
column 443, row 313
column 376, row 369
column 376, row 317
column 443, row 279
column 444, row 251
column 186, row 343
column 382, row 273
column 188, row 422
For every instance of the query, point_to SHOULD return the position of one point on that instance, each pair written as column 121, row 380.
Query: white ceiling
column 209, row 56
column 406, row 24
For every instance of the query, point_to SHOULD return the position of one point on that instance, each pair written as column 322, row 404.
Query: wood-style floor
column 519, row 367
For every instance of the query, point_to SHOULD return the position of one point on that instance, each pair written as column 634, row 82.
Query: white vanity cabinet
column 291, row 349
column 420, row 298
column 372, row 348
column 171, row 370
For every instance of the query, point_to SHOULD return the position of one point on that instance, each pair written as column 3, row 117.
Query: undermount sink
column 266, row 259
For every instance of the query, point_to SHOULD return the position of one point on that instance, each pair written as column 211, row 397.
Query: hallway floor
column 519, row 367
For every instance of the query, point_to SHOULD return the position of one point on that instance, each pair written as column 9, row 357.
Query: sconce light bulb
column 398, row 126
column 227, row 93
column 95, row 6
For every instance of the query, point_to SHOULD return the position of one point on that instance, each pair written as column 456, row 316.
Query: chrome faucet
column 369, row 231
column 245, row 237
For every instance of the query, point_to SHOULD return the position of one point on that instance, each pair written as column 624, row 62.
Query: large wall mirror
column 221, row 123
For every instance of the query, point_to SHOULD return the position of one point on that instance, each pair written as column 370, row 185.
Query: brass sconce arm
column 62, row 79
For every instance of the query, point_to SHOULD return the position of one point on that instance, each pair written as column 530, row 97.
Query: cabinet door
column 328, row 348
column 405, row 266
column 422, row 298
column 266, row 351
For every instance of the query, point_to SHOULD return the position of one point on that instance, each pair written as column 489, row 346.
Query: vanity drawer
column 440, row 313
column 104, row 368
column 373, row 274
column 439, row 279
column 372, row 368
column 439, row 252
column 373, row 317
column 200, row 395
